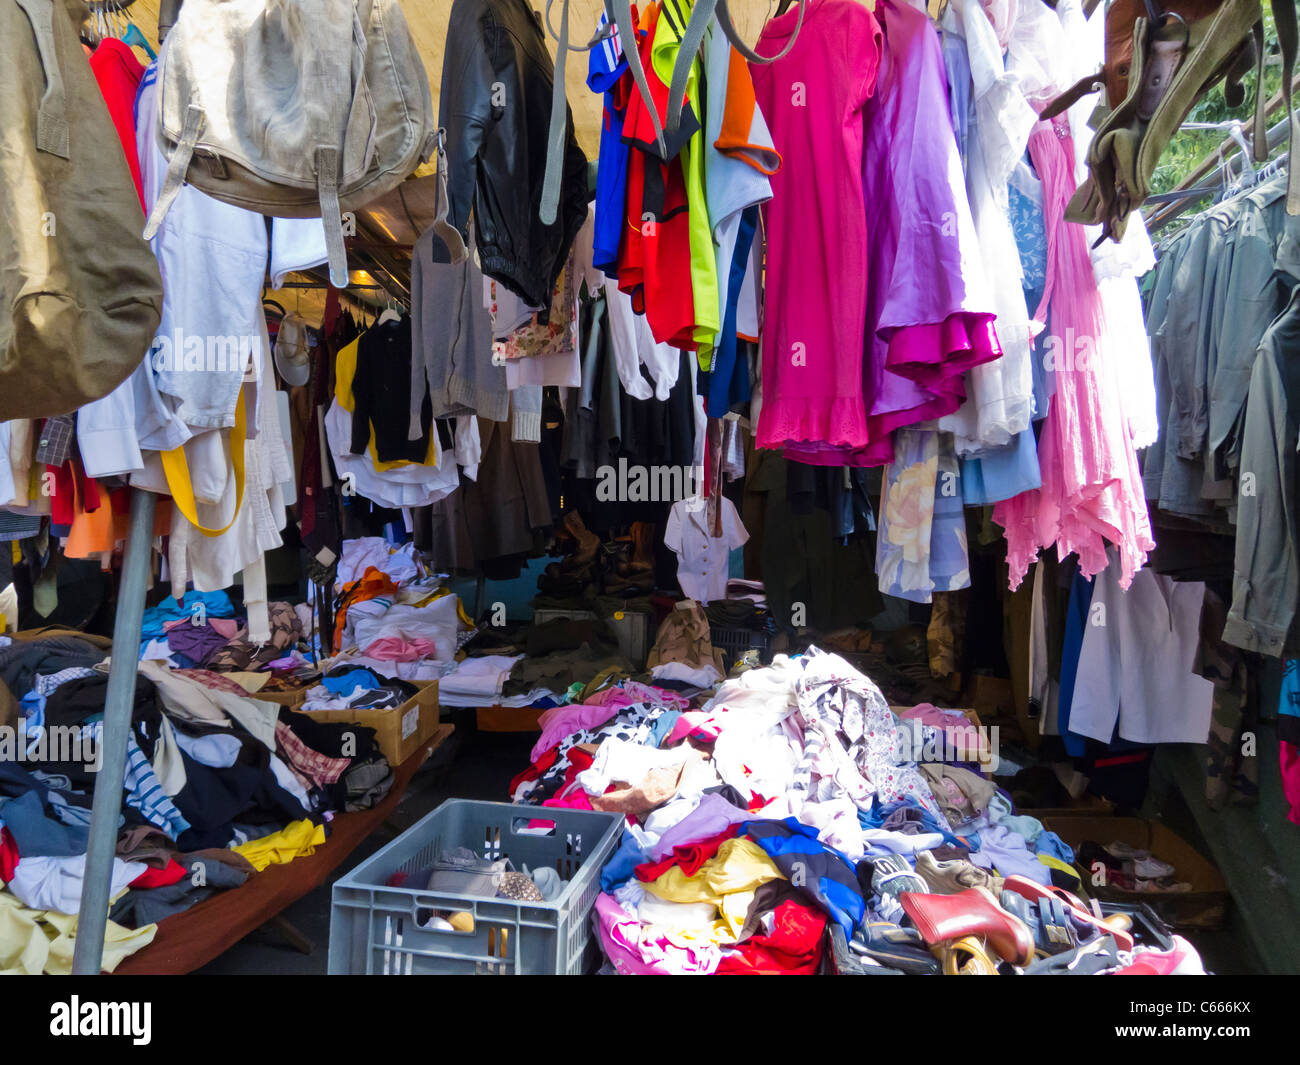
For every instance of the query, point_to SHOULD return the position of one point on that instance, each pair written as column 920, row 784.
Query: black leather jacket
column 496, row 108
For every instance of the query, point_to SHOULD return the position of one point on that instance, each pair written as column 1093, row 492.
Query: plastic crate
column 632, row 629
column 374, row 928
column 734, row 642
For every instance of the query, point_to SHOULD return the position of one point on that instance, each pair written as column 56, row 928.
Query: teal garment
column 209, row 604
column 1000, row 813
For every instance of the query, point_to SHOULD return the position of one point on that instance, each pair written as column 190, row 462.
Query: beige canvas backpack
column 80, row 292
column 293, row 108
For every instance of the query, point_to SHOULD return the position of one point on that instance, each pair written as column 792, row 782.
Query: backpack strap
column 51, row 114
column 555, row 135
column 177, row 470
column 327, row 188
column 177, row 167
column 620, row 14
column 729, row 28
column 693, row 37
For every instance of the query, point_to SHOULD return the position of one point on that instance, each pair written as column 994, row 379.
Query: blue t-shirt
column 606, row 65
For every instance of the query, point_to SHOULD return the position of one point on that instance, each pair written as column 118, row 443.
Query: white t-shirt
column 702, row 560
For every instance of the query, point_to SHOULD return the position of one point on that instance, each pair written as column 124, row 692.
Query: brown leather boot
column 946, row 918
column 643, row 557
column 588, row 542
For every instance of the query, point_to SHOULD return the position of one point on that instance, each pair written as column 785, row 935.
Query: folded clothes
column 480, row 678
column 398, row 649
column 279, row 848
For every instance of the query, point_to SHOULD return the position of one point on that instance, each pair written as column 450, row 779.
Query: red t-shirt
column 119, row 74
column 657, row 251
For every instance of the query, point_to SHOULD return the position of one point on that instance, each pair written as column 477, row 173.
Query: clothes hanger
column 135, row 39
column 390, row 314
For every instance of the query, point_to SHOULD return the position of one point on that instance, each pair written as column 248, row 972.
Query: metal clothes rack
column 106, row 806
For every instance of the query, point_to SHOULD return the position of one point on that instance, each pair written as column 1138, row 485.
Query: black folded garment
column 736, row 614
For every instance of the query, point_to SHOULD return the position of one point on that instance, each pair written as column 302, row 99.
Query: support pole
column 88, row 953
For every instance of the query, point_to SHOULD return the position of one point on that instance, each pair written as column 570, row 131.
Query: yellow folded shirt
column 296, row 839
column 740, row 865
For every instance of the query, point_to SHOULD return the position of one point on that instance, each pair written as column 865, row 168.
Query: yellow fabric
column 1056, row 863
column 728, row 880
column 704, row 265
column 42, row 941
column 177, row 470
column 425, row 600
column 345, row 368
column 250, row 682
column 296, row 839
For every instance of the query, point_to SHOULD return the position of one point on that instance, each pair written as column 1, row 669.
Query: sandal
column 1117, row 926
column 967, row 956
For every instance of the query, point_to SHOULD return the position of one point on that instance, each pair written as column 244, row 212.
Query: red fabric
column 74, row 493
column 171, row 873
column 119, row 73
column 658, row 249
column 63, row 503
column 793, row 949
column 8, row 855
column 690, row 856
column 543, row 763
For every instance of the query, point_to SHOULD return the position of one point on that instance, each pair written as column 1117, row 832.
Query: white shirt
column 702, row 560
column 1135, row 665
column 633, row 344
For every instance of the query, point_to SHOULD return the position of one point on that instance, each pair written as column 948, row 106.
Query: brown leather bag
column 1160, row 59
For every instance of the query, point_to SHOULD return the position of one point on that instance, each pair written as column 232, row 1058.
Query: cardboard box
column 1202, row 907
column 292, row 699
column 992, row 696
column 400, row 730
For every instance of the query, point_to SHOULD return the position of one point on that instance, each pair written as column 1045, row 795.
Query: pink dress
column 1092, row 488
column 816, row 223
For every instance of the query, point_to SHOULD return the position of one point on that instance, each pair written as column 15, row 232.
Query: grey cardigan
column 451, row 339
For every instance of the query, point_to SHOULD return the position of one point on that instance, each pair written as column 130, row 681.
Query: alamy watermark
column 183, row 352
column 51, row 743
column 970, row 743
column 650, row 484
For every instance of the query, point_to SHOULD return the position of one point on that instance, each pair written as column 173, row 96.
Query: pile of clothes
column 201, row 631
column 346, row 687
column 794, row 806
column 218, row 786
column 390, row 615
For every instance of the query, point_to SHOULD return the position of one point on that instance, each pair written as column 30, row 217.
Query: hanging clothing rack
column 1178, row 199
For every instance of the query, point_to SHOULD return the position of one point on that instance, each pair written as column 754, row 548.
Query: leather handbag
column 1160, row 59
column 80, row 290
column 292, row 108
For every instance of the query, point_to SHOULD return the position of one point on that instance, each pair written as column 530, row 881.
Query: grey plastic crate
column 734, row 641
column 374, row 928
column 632, row 630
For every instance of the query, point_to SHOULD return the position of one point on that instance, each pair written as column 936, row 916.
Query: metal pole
column 88, row 953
